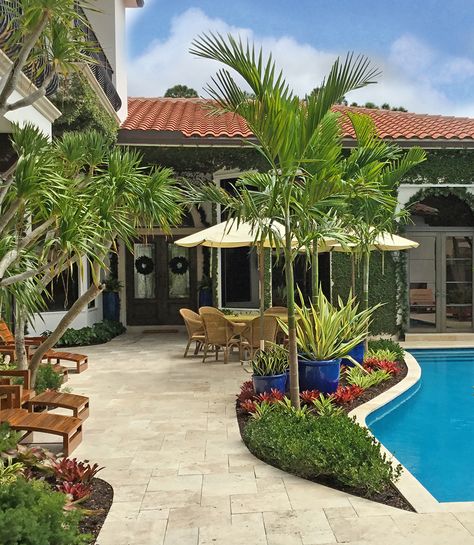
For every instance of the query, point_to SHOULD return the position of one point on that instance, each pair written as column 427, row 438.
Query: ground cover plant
column 45, row 500
column 99, row 333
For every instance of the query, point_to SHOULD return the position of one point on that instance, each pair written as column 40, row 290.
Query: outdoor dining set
column 212, row 331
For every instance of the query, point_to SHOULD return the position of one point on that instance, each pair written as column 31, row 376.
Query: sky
column 424, row 48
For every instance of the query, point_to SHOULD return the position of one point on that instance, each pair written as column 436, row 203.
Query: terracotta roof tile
column 191, row 118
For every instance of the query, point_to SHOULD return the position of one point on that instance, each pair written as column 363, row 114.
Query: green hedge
column 99, row 333
column 332, row 447
column 382, row 287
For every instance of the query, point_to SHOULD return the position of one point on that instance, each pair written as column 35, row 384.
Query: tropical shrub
column 382, row 354
column 48, row 379
column 99, row 333
column 324, row 406
column 8, row 437
column 385, row 365
column 346, row 394
column 325, row 447
column 31, row 513
column 363, row 379
column 387, row 344
column 271, row 361
column 9, row 471
column 74, row 471
column 308, row 396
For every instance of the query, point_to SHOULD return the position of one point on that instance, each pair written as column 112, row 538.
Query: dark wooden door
column 160, row 279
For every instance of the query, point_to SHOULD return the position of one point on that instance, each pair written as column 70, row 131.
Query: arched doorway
column 440, row 270
column 161, row 277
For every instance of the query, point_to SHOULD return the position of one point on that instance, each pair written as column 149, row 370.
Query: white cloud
column 413, row 74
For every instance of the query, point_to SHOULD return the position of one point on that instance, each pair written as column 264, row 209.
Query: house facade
column 106, row 76
column 425, row 290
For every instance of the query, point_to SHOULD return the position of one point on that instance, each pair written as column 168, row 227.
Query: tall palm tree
column 289, row 132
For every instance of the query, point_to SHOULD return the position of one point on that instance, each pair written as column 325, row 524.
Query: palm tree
column 290, row 132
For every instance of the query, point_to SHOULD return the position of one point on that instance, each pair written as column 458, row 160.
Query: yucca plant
column 273, row 361
column 323, row 331
column 355, row 322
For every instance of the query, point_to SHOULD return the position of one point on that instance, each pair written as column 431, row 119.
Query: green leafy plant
column 10, row 471
column 99, row 333
column 33, row 514
column 48, row 379
column 324, row 332
column 325, row 406
column 358, row 377
column 272, row 361
column 261, row 409
column 354, row 322
column 382, row 354
column 388, row 344
column 330, row 447
column 298, row 412
column 8, row 438
column 34, row 458
column 113, row 284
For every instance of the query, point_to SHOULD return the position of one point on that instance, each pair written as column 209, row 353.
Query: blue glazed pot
column 319, row 375
column 205, row 297
column 265, row 384
column 111, row 306
column 357, row 353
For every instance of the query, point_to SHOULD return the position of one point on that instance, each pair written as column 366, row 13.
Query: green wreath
column 179, row 265
column 144, row 265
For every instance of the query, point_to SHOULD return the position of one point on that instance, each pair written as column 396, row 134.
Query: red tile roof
column 191, row 118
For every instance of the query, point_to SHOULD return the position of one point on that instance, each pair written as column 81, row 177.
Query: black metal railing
column 100, row 65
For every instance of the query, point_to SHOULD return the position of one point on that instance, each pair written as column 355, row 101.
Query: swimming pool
column 430, row 428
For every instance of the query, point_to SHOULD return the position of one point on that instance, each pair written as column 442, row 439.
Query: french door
column 440, row 281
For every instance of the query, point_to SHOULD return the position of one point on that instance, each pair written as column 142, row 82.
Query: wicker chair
column 252, row 339
column 211, row 310
column 220, row 333
column 195, row 329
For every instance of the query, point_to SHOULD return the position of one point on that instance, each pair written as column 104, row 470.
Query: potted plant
column 321, row 336
column 355, row 324
column 205, row 292
column 111, row 299
column 269, row 368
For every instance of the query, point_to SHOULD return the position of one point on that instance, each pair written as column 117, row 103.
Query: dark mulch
column 391, row 496
column 100, row 502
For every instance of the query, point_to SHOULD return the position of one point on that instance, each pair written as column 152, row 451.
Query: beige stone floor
column 165, row 429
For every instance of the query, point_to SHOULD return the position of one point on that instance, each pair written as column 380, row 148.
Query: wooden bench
column 81, row 361
column 67, row 427
column 78, row 404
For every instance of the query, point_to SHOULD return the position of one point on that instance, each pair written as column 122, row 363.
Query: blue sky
column 425, row 48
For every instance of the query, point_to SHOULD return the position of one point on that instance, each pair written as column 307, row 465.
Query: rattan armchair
column 195, row 329
column 220, row 333
column 252, row 337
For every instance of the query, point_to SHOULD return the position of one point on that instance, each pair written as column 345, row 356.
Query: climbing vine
column 444, row 167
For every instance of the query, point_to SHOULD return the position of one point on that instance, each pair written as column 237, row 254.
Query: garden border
column 408, row 485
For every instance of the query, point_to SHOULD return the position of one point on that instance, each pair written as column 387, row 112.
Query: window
column 63, row 291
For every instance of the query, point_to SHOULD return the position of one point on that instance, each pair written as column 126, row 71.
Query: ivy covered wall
column 444, row 167
column 383, row 287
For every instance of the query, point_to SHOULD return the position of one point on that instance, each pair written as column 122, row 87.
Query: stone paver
column 164, row 428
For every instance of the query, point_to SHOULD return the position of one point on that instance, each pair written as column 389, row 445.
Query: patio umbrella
column 385, row 242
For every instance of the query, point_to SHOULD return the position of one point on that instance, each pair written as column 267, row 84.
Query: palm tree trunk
column 261, row 278
column 292, row 348
column 315, row 271
column 365, row 282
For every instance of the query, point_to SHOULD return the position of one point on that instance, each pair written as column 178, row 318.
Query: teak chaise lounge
column 8, row 339
column 67, row 427
column 25, row 397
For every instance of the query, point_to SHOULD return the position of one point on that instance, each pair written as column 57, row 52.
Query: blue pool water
column 430, row 429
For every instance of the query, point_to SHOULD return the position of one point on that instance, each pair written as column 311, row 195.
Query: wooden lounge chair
column 195, row 329
column 81, row 361
column 24, row 396
column 69, row 428
column 220, row 333
column 251, row 338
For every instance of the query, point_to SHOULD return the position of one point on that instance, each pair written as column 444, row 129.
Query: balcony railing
column 100, row 65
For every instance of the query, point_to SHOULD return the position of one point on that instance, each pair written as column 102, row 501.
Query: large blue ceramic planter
column 111, row 306
column 265, row 384
column 356, row 353
column 319, row 375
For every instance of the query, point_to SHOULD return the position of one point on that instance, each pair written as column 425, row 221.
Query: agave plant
column 273, row 361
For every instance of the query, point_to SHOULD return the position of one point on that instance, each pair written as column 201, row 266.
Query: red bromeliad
column 346, row 394
column 77, row 491
column 386, row 365
column 73, row 471
column 308, row 396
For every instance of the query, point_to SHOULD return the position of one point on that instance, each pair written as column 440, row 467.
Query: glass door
column 440, row 281
column 457, row 292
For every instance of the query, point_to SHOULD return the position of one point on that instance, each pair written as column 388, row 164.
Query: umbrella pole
column 261, row 278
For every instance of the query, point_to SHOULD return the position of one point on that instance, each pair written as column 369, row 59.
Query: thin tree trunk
column 20, row 349
column 81, row 303
column 365, row 282
column 292, row 348
column 315, row 271
column 261, row 278
column 353, row 272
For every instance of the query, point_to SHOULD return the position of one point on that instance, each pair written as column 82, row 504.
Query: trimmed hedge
column 99, row 333
column 326, row 448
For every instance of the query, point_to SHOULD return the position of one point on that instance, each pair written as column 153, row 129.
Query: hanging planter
column 144, row 265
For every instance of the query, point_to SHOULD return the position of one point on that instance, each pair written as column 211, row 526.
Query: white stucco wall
column 28, row 114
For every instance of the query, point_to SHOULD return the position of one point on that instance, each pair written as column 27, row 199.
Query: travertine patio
column 165, row 429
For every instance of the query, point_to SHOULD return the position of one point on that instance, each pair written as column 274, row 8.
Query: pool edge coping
column 408, row 485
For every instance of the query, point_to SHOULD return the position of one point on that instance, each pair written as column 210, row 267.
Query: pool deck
column 165, row 429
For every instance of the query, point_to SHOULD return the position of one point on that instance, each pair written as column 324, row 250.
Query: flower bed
column 44, row 499
column 320, row 442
